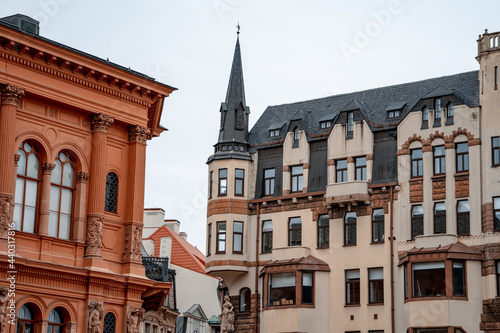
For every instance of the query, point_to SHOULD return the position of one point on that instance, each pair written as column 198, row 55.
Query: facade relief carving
column 47, row 168
column 134, row 320
column 94, row 235
column 139, row 134
column 133, row 243
column 11, row 94
column 3, row 308
column 96, row 314
column 17, row 157
column 100, row 122
column 6, row 213
column 82, row 177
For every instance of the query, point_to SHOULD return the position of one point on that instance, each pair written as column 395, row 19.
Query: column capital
column 17, row 157
column 139, row 134
column 47, row 168
column 100, row 122
column 82, row 177
column 11, row 94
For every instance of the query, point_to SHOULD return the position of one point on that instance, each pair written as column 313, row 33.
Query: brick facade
column 439, row 188
column 416, row 190
column 227, row 206
column 462, row 186
column 245, row 321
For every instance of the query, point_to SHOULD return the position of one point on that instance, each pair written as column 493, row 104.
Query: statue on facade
column 227, row 317
column 134, row 320
column 96, row 314
column 3, row 308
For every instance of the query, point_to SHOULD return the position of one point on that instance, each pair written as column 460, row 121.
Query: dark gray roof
column 372, row 103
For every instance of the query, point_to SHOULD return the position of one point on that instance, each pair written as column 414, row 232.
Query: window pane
column 239, row 186
column 324, row 220
column 375, row 273
column 29, row 219
column 378, row 214
column 33, row 166
column 223, row 173
column 267, row 226
column 221, row 226
column 440, row 208
column 56, row 173
column 269, row 173
column 239, row 173
column 21, row 164
column 281, row 289
column 237, row 242
column 31, row 193
column 18, row 215
column 297, row 170
column 53, row 221
column 54, row 198
column 64, row 226
column 463, row 206
column 223, row 187
column 238, row 227
column 428, row 279
column 417, row 211
column 295, row 222
column 66, row 201
column 416, row 153
column 19, row 190
column 307, row 288
column 496, row 203
column 341, row 164
column 458, row 279
column 68, row 175
column 352, row 274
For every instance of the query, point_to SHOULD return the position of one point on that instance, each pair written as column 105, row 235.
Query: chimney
column 183, row 235
column 173, row 225
column 166, row 247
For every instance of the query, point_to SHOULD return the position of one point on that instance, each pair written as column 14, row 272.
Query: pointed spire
column 235, row 89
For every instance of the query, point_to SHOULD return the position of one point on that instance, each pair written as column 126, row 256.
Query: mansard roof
column 373, row 105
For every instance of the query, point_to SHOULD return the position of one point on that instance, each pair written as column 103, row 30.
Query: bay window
column 428, row 279
column 281, row 289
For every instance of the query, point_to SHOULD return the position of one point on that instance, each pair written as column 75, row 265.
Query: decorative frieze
column 139, row 134
column 133, row 243
column 11, row 94
column 100, row 122
column 94, row 235
column 6, row 213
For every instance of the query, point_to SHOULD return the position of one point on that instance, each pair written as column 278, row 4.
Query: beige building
column 373, row 211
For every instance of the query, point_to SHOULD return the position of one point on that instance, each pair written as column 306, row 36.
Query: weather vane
column 238, row 27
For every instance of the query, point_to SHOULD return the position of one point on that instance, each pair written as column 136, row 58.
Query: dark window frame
column 323, row 232
column 417, row 163
column 350, row 122
column 237, row 180
column 437, row 109
column 297, row 295
column 378, row 287
column 21, row 322
column 462, row 158
column 378, row 227
column 211, row 185
column 299, row 178
column 112, row 188
column 350, row 229
column 446, row 281
column 294, row 233
column 296, row 134
column 51, row 325
column 495, row 87
column 425, row 117
column 271, row 181
column 246, row 295
column 235, row 233
column 495, row 151
column 497, row 264
column 440, row 159
column 221, row 179
column 343, row 171
column 417, row 219
column 496, row 212
column 325, row 124
column 352, row 288
column 464, row 219
column 209, row 239
column 267, row 238
column 440, row 218
column 219, row 233
column 361, row 168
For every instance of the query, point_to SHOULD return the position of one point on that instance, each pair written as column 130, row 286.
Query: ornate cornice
column 139, row 134
column 47, row 168
column 11, row 94
column 100, row 122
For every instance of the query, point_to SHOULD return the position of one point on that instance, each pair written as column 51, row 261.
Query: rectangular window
column 417, row 165
column 352, row 287
column 211, row 185
column 269, row 175
column 462, row 152
column 378, row 225
column 496, row 213
column 281, row 289
column 417, row 221
column 463, row 218
column 341, row 167
column 325, row 124
column 267, row 236
column 425, row 114
column 295, row 231
column 495, row 151
column 376, row 285
column 449, row 110
column 458, row 278
column 496, row 77
column 323, row 231
column 222, row 181
column 350, row 122
column 307, row 288
column 297, row 178
column 428, row 279
column 405, row 277
column 221, row 237
column 350, row 228
column 439, row 160
column 237, row 237
column 498, row 278
column 239, row 181
column 360, row 168
column 209, row 240
column 274, row 133
column 437, row 109
column 440, row 218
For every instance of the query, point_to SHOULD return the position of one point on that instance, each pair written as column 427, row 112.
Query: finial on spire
column 238, row 27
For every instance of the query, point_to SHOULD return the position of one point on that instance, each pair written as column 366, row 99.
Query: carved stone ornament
column 94, row 235
column 96, row 314
column 227, row 317
column 133, row 243
column 6, row 214
column 82, row 177
column 139, row 134
column 134, row 320
column 11, row 94
column 100, row 122
column 3, row 308
column 17, row 157
column 47, row 168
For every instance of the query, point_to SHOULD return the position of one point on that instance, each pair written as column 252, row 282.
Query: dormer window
column 296, row 134
column 325, row 124
column 274, row 133
column 350, row 122
column 449, row 110
column 393, row 114
column 425, row 117
column 437, row 113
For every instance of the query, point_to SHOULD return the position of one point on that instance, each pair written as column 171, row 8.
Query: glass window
column 209, row 240
column 378, row 225
column 239, row 181
column 437, row 113
column 297, row 178
column 440, row 218
column 428, row 279
column 352, row 286
column 341, row 168
column 222, row 181
column 221, row 237
column 405, row 277
column 462, row 153
column 296, row 134
column 269, row 179
column 439, row 160
column 26, row 320
column 27, row 183
column 361, row 168
column 295, row 231
column 498, row 278
column 109, row 323
column 237, row 237
column 281, row 289
column 496, row 213
column 307, row 288
column 111, row 203
column 61, row 197
column 245, row 300
column 463, row 217
column 449, row 110
column 323, row 231
column 350, row 122
column 56, row 322
column 325, row 124
column 458, row 278
column 417, row 167
column 211, row 185
column 425, row 114
column 267, row 236
column 274, row 133
column 495, row 151
column 350, row 228
column 417, row 221
column 376, row 285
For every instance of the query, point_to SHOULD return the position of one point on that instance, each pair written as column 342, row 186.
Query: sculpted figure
column 3, row 308
column 227, row 317
column 96, row 313
column 134, row 320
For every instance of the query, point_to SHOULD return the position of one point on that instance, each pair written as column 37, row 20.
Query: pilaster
column 43, row 221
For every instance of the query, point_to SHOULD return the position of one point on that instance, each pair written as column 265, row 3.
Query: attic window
column 274, row 133
column 325, row 124
column 393, row 114
column 350, row 122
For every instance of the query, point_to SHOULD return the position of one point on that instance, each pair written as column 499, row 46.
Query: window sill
column 220, row 252
column 322, row 247
column 414, row 179
column 436, row 298
column 239, row 253
column 352, row 305
column 375, row 304
column 495, row 165
column 222, row 195
column 348, row 245
column 439, row 176
column 375, row 243
column 462, row 173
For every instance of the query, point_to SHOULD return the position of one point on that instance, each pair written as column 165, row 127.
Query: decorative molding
column 139, row 134
column 47, row 168
column 11, row 95
column 100, row 122
column 96, row 314
column 4, row 299
column 412, row 139
column 82, row 177
column 17, row 157
column 135, row 317
column 94, row 236
column 133, row 243
column 6, row 213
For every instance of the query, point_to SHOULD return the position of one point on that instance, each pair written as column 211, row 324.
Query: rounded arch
column 36, row 304
column 67, row 309
column 75, row 151
column 115, row 169
column 38, row 140
column 460, row 131
column 245, row 299
column 437, row 135
column 152, row 317
column 411, row 139
column 416, row 144
column 460, row 138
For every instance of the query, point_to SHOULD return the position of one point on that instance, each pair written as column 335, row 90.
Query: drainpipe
column 257, row 307
column 392, row 257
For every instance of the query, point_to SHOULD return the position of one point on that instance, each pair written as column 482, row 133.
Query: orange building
column 73, row 134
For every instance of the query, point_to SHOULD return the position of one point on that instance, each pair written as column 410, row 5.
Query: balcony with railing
column 156, row 268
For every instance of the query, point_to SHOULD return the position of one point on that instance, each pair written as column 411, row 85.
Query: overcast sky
column 291, row 50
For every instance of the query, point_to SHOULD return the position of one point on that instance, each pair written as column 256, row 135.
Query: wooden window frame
column 323, row 243
column 220, row 232
column 495, row 150
column 439, row 219
column 294, row 231
column 53, row 325
column 238, row 233
column 462, row 156
column 220, row 182
column 342, row 170
column 465, row 216
column 265, row 236
column 381, row 227
column 441, row 159
column 497, row 268
column 416, row 219
column 496, row 210
column 297, row 177
column 361, row 168
column 238, row 179
column 298, row 300
column 272, row 182
column 248, row 303
column 355, row 283
column 349, row 232
column 419, row 164
column 378, row 283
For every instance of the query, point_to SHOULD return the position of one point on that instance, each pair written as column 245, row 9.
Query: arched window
column 26, row 320
column 56, row 322
column 111, row 192
column 245, row 300
column 449, row 110
column 61, row 196
column 109, row 323
column 296, row 134
column 27, row 183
